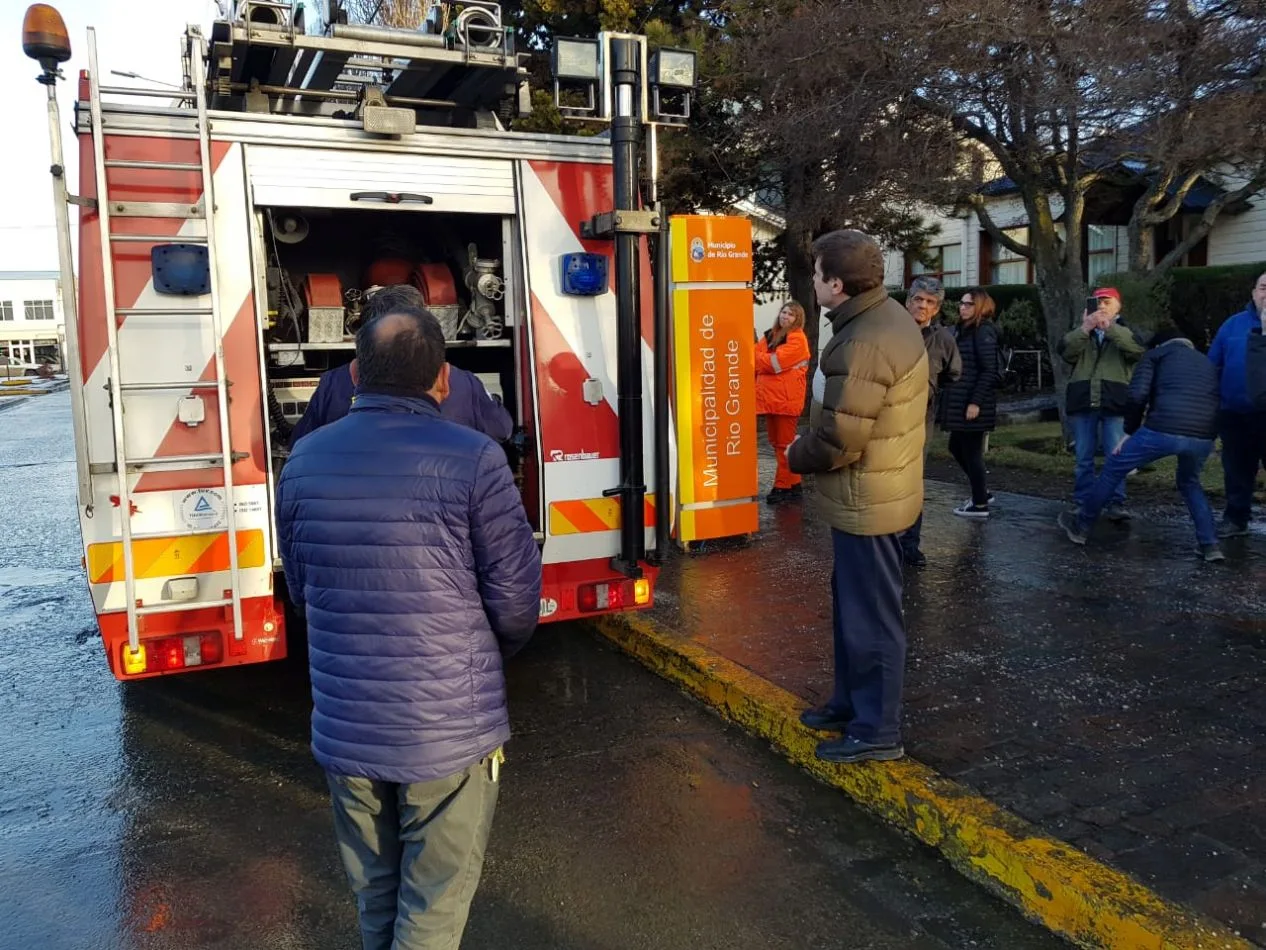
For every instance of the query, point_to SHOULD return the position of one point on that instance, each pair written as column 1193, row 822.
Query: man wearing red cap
column 1102, row 353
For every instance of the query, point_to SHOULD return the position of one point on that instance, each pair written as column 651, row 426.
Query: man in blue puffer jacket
column 1238, row 353
column 405, row 540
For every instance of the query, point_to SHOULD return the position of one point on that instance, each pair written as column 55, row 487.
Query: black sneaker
column 825, row 719
column 794, row 493
column 1072, row 527
column 776, row 496
column 1212, row 553
column 848, row 750
column 1117, row 514
column 915, row 558
column 968, row 510
column 1232, row 529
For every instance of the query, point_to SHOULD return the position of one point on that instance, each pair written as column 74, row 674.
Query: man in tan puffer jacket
column 865, row 447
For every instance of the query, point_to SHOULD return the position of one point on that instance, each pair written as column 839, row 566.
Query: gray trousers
column 413, row 854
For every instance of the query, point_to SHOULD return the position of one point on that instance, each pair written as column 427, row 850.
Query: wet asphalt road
column 187, row 813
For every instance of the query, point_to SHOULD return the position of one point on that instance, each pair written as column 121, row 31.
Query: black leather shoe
column 848, row 750
column 825, row 719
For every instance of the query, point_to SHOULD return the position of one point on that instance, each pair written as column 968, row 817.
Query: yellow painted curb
column 1050, row 881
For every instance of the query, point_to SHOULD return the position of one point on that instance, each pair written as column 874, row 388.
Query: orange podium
column 714, row 378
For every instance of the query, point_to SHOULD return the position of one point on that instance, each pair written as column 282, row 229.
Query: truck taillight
column 172, row 653
column 613, row 595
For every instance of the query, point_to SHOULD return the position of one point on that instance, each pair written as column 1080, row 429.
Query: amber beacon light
column 44, row 37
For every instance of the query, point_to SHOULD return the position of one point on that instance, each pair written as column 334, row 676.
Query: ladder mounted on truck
column 458, row 69
column 107, row 209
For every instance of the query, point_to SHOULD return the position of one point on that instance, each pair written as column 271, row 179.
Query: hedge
column 1196, row 300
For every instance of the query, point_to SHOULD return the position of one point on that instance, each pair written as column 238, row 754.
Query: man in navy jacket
column 1176, row 386
column 405, row 540
column 1239, row 355
column 468, row 402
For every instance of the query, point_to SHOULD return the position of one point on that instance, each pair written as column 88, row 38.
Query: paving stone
column 1090, row 691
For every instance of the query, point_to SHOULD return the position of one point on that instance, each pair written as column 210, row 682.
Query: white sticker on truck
column 201, row 509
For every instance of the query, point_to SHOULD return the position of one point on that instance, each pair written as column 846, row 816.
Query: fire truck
column 229, row 231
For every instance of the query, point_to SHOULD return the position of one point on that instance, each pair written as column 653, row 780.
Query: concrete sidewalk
column 15, row 393
column 1113, row 696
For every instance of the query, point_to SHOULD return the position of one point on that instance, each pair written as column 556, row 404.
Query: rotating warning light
column 44, row 36
column 584, row 274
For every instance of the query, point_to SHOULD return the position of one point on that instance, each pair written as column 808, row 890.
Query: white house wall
column 1241, row 238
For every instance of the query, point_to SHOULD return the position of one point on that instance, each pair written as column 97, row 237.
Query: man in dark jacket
column 1102, row 353
column 405, row 540
column 944, row 367
column 1239, row 355
column 1177, row 388
column 468, row 402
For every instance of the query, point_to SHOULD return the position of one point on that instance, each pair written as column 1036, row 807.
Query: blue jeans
column 869, row 635
column 1091, row 431
column 413, row 854
column 1146, row 446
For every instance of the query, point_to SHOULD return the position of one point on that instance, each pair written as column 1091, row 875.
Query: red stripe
column 568, row 424
column 580, row 191
column 131, row 261
column 246, row 417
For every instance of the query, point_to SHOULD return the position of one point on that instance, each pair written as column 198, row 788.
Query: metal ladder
column 122, row 464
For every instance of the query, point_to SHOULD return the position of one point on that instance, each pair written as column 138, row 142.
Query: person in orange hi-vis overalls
column 782, row 370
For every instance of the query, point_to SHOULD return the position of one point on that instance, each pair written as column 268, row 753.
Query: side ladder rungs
column 144, row 91
column 159, row 239
column 189, row 461
column 168, row 535
column 164, row 387
column 161, row 312
column 180, row 608
column 153, row 166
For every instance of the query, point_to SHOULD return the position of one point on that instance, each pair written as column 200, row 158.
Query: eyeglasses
column 966, row 303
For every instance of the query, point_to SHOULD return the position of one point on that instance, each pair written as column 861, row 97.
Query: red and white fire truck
column 228, row 232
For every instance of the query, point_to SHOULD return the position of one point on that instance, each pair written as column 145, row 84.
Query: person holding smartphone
column 1102, row 354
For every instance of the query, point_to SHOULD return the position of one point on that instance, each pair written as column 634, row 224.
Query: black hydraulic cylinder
column 626, row 132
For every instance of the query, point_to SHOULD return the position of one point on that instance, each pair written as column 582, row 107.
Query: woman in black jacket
column 969, row 408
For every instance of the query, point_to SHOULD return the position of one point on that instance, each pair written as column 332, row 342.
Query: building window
column 1101, row 251
column 946, row 264
column 39, row 309
column 6, row 310
column 1008, row 266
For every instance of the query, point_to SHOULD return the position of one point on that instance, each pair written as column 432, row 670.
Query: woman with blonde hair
column 782, row 371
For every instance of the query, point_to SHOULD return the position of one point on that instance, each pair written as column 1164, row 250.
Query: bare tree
column 1065, row 98
column 835, row 153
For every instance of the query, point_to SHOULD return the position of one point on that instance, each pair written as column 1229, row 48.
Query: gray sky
column 142, row 36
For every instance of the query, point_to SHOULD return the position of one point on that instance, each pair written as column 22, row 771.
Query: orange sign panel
column 711, row 249
column 716, row 395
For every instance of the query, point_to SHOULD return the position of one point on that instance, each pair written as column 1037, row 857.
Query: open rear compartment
column 319, row 266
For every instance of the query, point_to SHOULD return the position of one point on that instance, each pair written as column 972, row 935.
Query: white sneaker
column 968, row 510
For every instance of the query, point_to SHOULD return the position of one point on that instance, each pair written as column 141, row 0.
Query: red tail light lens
column 613, row 595
column 164, row 654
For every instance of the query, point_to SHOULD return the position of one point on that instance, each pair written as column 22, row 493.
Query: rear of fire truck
column 229, row 235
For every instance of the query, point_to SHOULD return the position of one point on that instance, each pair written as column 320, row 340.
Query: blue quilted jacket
column 404, row 538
